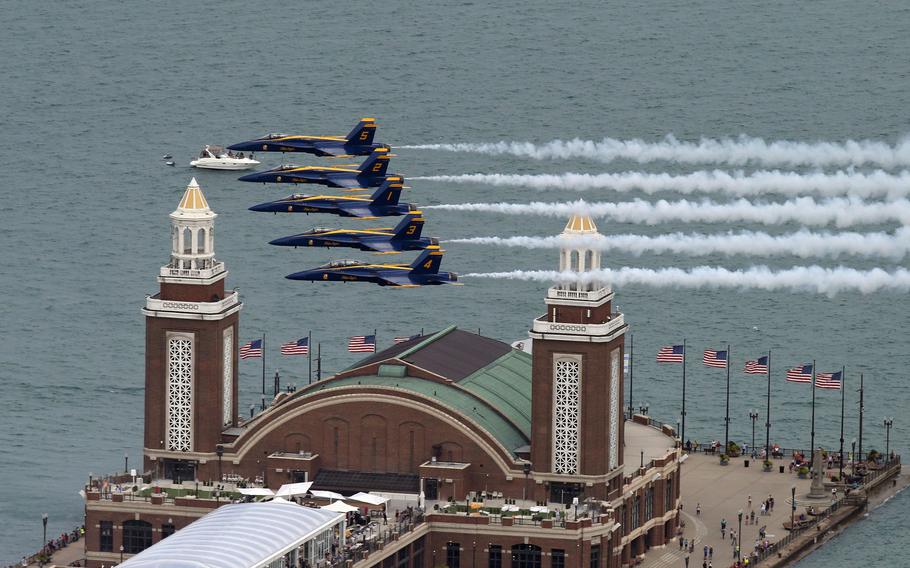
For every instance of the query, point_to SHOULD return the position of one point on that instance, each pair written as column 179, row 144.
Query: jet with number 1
column 358, row 143
column 424, row 271
column 371, row 173
column 406, row 236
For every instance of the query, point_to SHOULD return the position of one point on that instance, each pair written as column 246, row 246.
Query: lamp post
column 792, row 506
column 44, row 541
column 888, row 423
column 219, row 451
column 126, row 462
column 739, row 533
column 121, row 554
column 753, row 415
column 853, row 457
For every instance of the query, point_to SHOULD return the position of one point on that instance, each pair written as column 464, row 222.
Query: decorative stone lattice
column 180, row 394
column 566, row 416
column 615, row 380
column 227, row 387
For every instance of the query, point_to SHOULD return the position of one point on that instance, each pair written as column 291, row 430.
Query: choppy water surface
column 93, row 93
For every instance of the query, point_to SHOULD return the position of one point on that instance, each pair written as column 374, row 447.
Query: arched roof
column 237, row 536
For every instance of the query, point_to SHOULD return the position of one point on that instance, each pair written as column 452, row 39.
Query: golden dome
column 580, row 224
column 193, row 200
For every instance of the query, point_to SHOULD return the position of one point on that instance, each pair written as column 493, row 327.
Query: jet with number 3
column 406, row 236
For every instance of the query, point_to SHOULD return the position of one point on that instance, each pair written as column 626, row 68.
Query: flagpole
column 768, row 414
column 319, row 361
column 263, row 362
column 631, row 367
column 843, row 384
column 812, row 439
column 375, row 341
column 861, row 408
column 727, row 417
column 309, row 356
column 682, row 430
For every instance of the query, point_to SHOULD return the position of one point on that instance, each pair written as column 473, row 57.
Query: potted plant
column 803, row 472
column 724, row 459
column 767, row 465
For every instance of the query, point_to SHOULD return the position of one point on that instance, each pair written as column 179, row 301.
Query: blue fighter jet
column 358, row 143
column 424, row 271
column 371, row 173
column 406, row 236
column 383, row 203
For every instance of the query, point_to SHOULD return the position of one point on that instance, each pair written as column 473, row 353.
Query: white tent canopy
column 326, row 494
column 293, row 489
column 237, row 536
column 256, row 491
column 368, row 498
column 340, row 507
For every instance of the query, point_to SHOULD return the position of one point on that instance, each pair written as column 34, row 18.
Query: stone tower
column 190, row 345
column 577, row 382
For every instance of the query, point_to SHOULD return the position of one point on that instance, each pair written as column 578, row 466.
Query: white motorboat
column 217, row 158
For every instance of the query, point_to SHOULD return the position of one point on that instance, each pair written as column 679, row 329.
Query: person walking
column 710, row 552
column 698, row 509
column 723, row 528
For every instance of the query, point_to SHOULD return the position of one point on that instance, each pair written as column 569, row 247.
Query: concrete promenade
column 722, row 491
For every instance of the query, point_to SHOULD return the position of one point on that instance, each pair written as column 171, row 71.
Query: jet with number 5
column 371, row 173
column 424, row 271
column 406, row 236
column 358, row 143
column 383, row 203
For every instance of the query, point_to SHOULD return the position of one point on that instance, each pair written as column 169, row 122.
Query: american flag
column 828, row 380
column 757, row 366
column 716, row 359
column 402, row 339
column 362, row 344
column 297, row 347
column 671, row 354
column 802, row 374
column 252, row 350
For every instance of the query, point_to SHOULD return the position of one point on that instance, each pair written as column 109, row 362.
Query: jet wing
column 344, row 182
column 359, row 212
column 379, row 246
column 401, row 281
column 331, row 151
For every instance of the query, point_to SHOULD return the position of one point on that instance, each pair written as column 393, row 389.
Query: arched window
column 137, row 536
column 573, row 261
column 589, row 259
column 175, row 235
column 200, row 242
column 525, row 556
column 187, row 241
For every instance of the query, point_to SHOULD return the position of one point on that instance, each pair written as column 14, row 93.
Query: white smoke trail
column 845, row 182
column 802, row 244
column 842, row 212
column 816, row 279
column 733, row 151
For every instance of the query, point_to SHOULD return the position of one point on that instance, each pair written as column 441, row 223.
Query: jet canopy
column 341, row 263
column 320, row 230
column 273, row 135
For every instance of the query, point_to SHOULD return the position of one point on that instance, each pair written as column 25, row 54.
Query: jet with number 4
column 406, row 236
column 358, row 143
column 383, row 203
column 371, row 173
column 424, row 271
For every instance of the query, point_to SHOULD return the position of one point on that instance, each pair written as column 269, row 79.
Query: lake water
column 94, row 93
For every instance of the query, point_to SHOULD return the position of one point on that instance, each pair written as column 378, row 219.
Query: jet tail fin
column 428, row 262
column 389, row 192
column 410, row 227
column 363, row 132
column 377, row 163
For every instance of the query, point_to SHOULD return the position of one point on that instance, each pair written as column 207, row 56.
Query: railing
column 375, row 536
column 193, row 272
column 765, row 551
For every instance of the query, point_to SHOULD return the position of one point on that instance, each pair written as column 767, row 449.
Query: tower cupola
column 193, row 232
column 580, row 252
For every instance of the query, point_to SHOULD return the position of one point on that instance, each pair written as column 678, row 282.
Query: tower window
column 453, row 554
column 180, row 393
column 187, row 241
column 201, row 247
column 573, row 261
column 566, row 415
column 107, row 536
column 137, row 536
column 615, row 411
column 589, row 260
column 227, row 387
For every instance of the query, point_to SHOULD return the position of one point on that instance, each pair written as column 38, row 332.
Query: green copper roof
column 485, row 392
column 506, row 384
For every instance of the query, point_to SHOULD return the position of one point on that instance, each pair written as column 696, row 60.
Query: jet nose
column 283, row 241
column 303, row 275
column 248, row 146
column 266, row 207
column 254, row 177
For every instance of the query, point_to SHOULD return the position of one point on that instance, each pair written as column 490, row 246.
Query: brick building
column 452, row 415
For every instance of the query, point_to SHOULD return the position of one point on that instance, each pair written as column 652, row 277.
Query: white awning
column 340, row 507
column 326, row 494
column 243, row 535
column 292, row 489
column 256, row 491
column 368, row 498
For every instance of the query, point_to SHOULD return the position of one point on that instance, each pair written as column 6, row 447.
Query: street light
column 888, row 423
column 121, row 554
column 792, row 507
column 739, row 532
column 126, row 462
column 753, row 415
column 44, row 522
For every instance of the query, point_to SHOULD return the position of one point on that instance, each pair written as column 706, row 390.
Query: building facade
column 453, row 415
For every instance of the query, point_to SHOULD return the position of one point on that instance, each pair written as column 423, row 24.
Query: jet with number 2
column 371, row 173
column 358, row 143
column 406, row 236
column 424, row 271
